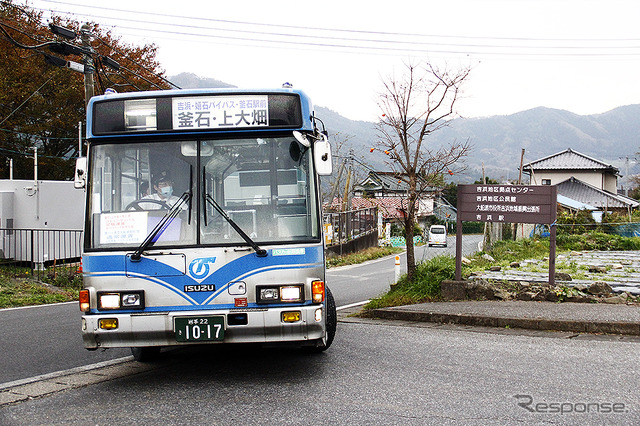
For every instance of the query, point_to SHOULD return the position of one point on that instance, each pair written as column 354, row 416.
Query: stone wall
column 482, row 289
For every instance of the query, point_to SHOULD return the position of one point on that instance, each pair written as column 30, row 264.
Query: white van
column 437, row 235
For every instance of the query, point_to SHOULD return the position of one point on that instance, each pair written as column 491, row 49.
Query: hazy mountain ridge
column 497, row 140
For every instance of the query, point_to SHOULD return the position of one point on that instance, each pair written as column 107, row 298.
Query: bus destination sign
column 208, row 112
column 507, row 203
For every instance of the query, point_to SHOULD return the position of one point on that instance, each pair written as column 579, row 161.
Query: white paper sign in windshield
column 123, row 228
column 219, row 112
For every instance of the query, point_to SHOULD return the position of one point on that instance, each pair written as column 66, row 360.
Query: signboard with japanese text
column 123, row 228
column 218, row 112
column 507, row 203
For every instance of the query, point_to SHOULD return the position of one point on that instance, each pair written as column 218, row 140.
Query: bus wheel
column 331, row 323
column 145, row 354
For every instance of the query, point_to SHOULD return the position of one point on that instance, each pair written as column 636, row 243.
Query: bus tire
column 146, row 353
column 331, row 324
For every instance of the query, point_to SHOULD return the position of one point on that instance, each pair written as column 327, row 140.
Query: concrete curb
column 592, row 327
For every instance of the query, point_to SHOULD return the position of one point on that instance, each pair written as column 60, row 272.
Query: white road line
column 37, row 306
column 368, row 262
column 55, row 374
column 352, row 305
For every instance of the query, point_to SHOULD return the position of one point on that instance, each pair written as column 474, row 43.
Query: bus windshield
column 265, row 185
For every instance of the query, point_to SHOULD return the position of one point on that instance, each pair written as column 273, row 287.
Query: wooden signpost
column 507, row 204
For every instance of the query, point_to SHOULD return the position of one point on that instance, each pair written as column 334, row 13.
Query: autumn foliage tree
column 42, row 104
column 412, row 108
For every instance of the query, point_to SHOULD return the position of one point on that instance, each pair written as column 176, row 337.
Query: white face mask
column 166, row 191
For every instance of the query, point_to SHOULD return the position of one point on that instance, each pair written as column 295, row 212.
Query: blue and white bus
column 203, row 221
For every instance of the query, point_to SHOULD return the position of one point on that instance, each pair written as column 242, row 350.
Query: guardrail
column 40, row 248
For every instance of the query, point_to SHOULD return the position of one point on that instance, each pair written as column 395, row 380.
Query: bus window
column 262, row 187
column 127, row 193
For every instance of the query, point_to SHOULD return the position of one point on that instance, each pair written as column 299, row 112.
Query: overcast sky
column 578, row 55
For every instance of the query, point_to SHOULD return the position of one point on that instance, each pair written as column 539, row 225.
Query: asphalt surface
column 570, row 320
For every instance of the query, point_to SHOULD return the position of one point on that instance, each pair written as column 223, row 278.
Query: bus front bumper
column 266, row 325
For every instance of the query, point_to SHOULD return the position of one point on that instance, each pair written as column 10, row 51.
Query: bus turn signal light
column 83, row 298
column 317, row 291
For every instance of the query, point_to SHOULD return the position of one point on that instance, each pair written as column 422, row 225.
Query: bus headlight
column 121, row 300
column 269, row 295
column 132, row 300
column 109, row 301
column 280, row 293
column 291, row 294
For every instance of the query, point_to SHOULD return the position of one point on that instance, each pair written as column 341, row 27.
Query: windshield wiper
column 166, row 221
column 260, row 252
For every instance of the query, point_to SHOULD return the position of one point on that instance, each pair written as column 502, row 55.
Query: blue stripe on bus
column 174, row 280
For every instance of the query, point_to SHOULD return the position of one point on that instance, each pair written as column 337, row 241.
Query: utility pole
column 89, row 69
column 515, row 225
column 345, row 197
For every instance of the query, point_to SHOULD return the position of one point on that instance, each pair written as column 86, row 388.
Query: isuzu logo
column 199, row 287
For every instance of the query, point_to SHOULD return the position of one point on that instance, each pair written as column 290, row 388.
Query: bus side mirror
column 322, row 157
column 80, row 179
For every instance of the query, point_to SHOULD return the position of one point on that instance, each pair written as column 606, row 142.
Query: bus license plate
column 199, row 329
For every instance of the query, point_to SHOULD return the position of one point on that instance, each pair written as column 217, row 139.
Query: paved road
column 40, row 340
column 355, row 283
column 43, row 339
column 373, row 374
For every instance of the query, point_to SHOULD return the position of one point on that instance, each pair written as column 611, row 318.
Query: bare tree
column 341, row 183
column 413, row 107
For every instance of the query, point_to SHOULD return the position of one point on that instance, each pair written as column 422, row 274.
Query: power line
column 124, row 55
column 413, row 47
column 339, row 30
column 32, row 135
column 384, row 45
column 26, row 100
column 52, row 44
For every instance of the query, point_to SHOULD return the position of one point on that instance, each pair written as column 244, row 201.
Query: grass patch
column 425, row 288
column 429, row 274
column 19, row 288
column 362, row 256
column 596, row 241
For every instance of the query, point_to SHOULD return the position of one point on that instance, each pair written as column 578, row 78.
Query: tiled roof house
column 386, row 191
column 580, row 178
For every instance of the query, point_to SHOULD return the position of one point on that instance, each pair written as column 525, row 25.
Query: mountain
column 188, row 80
column 497, row 141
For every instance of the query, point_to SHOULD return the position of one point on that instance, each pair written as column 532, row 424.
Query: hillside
column 497, row 141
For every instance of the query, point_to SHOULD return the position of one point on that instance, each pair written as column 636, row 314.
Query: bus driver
column 163, row 188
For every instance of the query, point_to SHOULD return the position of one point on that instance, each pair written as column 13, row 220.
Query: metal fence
column 40, row 248
column 341, row 227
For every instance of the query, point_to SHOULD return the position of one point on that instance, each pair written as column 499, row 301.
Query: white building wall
column 32, row 218
column 52, row 205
